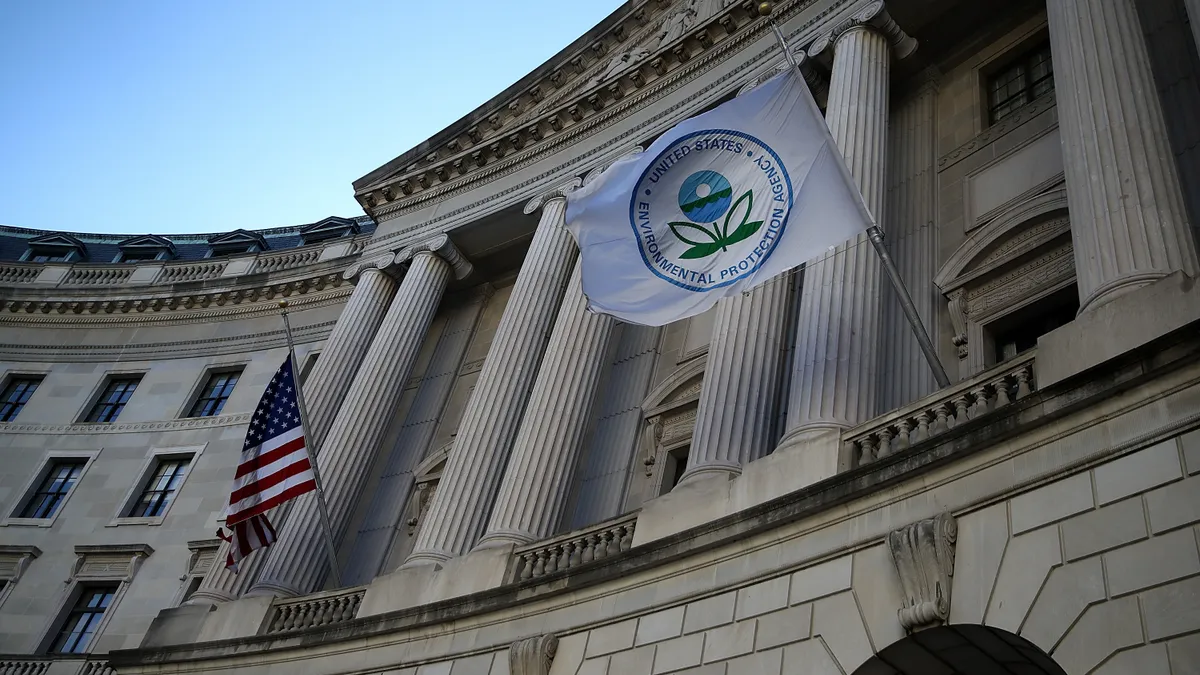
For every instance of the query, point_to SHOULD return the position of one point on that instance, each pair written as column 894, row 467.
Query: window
column 1018, row 332
column 16, row 395
column 215, row 393
column 81, row 624
column 49, row 257
column 54, row 488
column 674, row 468
column 161, row 488
column 309, row 364
column 131, row 256
column 1025, row 79
column 113, row 399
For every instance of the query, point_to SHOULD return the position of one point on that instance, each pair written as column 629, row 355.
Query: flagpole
column 873, row 232
column 310, row 448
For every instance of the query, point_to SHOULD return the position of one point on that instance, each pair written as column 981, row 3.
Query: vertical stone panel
column 1128, row 222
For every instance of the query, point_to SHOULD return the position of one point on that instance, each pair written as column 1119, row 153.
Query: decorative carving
column 559, row 192
column 532, row 656
column 923, row 553
column 875, row 16
column 441, row 246
column 109, row 561
column 14, row 560
column 958, row 317
column 622, row 62
column 1022, row 115
column 380, row 262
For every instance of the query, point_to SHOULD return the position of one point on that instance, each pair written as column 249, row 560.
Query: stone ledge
column 1036, row 411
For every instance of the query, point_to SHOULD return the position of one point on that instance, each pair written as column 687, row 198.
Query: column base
column 203, row 597
column 817, row 447
column 423, row 558
column 498, row 538
column 264, row 589
column 1115, row 288
column 730, row 470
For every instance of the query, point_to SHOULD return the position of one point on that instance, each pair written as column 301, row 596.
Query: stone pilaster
column 296, row 563
column 913, row 242
column 835, row 370
column 324, row 390
column 1128, row 222
column 537, row 481
column 736, row 414
column 462, row 504
column 382, row 519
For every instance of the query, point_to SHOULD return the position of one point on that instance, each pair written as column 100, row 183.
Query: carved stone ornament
column 559, row 192
column 873, row 16
column 923, row 553
column 441, row 246
column 379, row 262
column 532, row 656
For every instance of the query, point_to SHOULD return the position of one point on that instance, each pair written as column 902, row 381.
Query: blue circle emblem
column 705, row 196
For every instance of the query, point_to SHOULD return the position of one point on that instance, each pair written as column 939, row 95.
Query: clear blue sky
column 175, row 116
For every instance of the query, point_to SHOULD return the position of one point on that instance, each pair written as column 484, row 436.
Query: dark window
column 129, row 256
column 47, row 257
column 215, row 393
column 112, row 401
column 1022, row 81
column 309, row 364
column 16, row 395
column 676, row 465
column 1019, row 331
column 81, row 624
column 54, row 488
column 160, row 489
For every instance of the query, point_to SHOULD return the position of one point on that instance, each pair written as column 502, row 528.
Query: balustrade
column 19, row 274
column 286, row 260
column 316, row 610
column 24, row 666
column 109, row 275
column 574, row 549
column 944, row 410
column 192, row 271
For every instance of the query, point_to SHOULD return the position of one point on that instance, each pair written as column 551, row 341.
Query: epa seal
column 710, row 209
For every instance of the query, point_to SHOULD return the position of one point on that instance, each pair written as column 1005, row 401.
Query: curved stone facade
column 512, row 481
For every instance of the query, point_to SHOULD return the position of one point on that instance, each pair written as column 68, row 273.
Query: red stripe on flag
column 300, row 466
column 259, row 461
column 270, row 503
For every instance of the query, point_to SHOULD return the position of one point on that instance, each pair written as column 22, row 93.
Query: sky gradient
column 189, row 116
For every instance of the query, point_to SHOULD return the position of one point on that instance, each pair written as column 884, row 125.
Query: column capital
column 441, row 246
column 595, row 173
column 559, row 192
column 385, row 262
column 816, row 75
column 873, row 16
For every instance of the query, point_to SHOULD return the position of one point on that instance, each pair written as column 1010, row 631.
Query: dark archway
column 964, row 649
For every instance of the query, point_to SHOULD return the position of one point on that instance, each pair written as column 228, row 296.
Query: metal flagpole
column 312, row 451
column 873, row 232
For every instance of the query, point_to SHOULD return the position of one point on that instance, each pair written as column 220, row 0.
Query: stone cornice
column 608, row 117
column 446, row 173
column 86, row 429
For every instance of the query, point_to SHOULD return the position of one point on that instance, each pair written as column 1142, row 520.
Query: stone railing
column 310, row 611
column 941, row 411
column 19, row 274
column 286, row 260
column 191, row 271
column 108, row 275
column 32, row 665
column 37, row 665
column 574, row 548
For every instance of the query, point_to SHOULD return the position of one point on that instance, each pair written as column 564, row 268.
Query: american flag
column 275, row 467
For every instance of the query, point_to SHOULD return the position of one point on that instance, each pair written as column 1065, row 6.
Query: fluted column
column 1128, row 223
column 913, row 241
column 537, row 481
column 835, row 371
column 297, row 561
column 461, row 506
column 324, row 389
column 736, row 414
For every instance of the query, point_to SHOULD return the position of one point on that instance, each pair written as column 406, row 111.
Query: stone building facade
column 516, row 485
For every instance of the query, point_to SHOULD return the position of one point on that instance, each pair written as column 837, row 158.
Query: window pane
column 112, row 401
column 160, row 490
column 214, row 394
column 53, row 489
column 1030, row 77
column 80, row 625
column 16, row 395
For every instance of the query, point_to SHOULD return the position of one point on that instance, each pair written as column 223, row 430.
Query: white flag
column 717, row 205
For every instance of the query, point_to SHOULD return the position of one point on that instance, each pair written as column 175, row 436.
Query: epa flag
column 717, row 205
column 275, row 467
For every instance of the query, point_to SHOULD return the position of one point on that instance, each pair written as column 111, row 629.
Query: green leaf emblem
column 719, row 238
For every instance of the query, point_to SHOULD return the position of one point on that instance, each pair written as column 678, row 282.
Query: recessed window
column 215, row 393
column 49, row 257
column 53, row 490
column 161, row 488
column 81, row 624
column 16, row 395
column 1023, row 80
column 132, row 256
column 1018, row 332
column 113, row 399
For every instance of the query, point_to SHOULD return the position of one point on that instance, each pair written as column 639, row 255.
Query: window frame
column 69, row 609
column 1020, row 55
column 94, row 401
column 95, row 565
column 8, row 381
column 154, row 458
column 202, row 387
column 35, row 479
